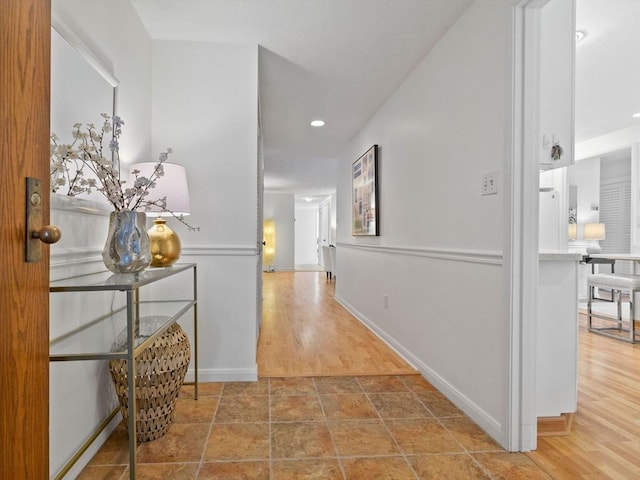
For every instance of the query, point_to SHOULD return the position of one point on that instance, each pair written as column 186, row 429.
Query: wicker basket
column 160, row 372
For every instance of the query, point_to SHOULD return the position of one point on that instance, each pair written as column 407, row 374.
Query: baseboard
column 489, row 424
column 555, row 426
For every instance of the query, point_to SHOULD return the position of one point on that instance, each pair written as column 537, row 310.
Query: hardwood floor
column 605, row 439
column 305, row 332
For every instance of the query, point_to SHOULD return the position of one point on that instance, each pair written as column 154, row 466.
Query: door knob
column 48, row 234
column 34, row 230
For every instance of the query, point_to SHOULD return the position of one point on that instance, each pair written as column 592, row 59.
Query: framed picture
column 365, row 194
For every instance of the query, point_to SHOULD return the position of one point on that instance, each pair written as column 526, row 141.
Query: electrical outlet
column 386, row 301
column 490, row 183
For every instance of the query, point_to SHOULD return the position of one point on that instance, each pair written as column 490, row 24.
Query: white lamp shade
column 594, row 231
column 173, row 185
column 573, row 231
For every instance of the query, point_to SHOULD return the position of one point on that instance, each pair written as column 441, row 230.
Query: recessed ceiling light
column 580, row 35
column 317, row 123
column 636, row 115
column 308, row 199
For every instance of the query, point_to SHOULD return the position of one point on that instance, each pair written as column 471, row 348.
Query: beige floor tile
column 358, row 437
column 335, row 385
column 301, row 440
column 380, row 427
column 245, row 408
column 349, row 406
column 379, row 384
column 261, row 387
column 511, row 466
column 398, row 405
column 159, row 471
column 422, row 435
column 234, row 471
column 296, row 408
column 438, row 404
column 417, row 383
column 102, row 472
column 379, row 468
column 207, row 389
column 472, row 437
column 189, row 410
column 115, row 451
column 447, row 467
column 292, row 386
column 184, row 442
column 314, row 469
column 238, row 441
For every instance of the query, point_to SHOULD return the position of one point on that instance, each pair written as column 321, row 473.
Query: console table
column 99, row 334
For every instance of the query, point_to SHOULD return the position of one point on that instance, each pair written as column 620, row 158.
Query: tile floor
column 324, row 428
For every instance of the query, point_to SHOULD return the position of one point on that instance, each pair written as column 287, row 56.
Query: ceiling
column 334, row 60
column 340, row 60
column 607, row 66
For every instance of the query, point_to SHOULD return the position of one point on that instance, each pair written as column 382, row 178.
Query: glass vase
column 127, row 247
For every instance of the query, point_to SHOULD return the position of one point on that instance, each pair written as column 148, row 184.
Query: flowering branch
column 70, row 164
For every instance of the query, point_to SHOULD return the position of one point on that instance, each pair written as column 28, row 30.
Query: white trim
column 522, row 225
column 63, row 257
column 75, row 256
column 482, row 418
column 489, row 257
column 99, row 64
column 80, row 205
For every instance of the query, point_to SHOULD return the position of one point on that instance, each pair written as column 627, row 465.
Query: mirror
column 82, row 86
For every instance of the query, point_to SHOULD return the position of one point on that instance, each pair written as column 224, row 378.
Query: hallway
column 306, row 418
column 305, row 332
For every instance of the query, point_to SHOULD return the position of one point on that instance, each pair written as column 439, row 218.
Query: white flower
column 82, row 167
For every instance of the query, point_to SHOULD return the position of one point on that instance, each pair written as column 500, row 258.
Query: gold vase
column 164, row 244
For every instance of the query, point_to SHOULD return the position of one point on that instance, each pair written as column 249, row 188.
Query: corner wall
column 205, row 106
column 439, row 256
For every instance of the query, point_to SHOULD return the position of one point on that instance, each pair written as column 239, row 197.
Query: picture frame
column 365, row 208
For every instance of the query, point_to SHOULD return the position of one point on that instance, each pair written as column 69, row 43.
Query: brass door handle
column 48, row 234
column 34, row 230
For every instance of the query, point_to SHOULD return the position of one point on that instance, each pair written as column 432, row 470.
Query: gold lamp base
column 164, row 243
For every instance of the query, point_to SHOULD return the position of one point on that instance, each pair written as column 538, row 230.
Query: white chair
column 326, row 261
column 618, row 283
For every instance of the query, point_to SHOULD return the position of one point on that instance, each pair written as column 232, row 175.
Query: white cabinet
column 557, row 335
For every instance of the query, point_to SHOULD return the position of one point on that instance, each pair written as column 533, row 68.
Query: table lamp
column 164, row 242
column 572, row 232
column 594, row 232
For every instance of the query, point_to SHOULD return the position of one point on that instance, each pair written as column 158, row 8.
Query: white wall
column 585, row 174
column 81, row 394
column 306, row 231
column 205, row 107
column 279, row 207
column 439, row 255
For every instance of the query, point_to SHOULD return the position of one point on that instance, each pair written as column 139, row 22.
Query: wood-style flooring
column 305, row 332
column 604, row 442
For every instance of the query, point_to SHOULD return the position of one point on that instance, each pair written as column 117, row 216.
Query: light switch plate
column 490, row 183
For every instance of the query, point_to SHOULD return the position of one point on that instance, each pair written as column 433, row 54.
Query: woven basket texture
column 160, row 372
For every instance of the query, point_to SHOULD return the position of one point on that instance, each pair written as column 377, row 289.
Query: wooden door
column 25, row 27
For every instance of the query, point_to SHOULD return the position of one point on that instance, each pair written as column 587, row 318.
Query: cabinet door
column 557, row 54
